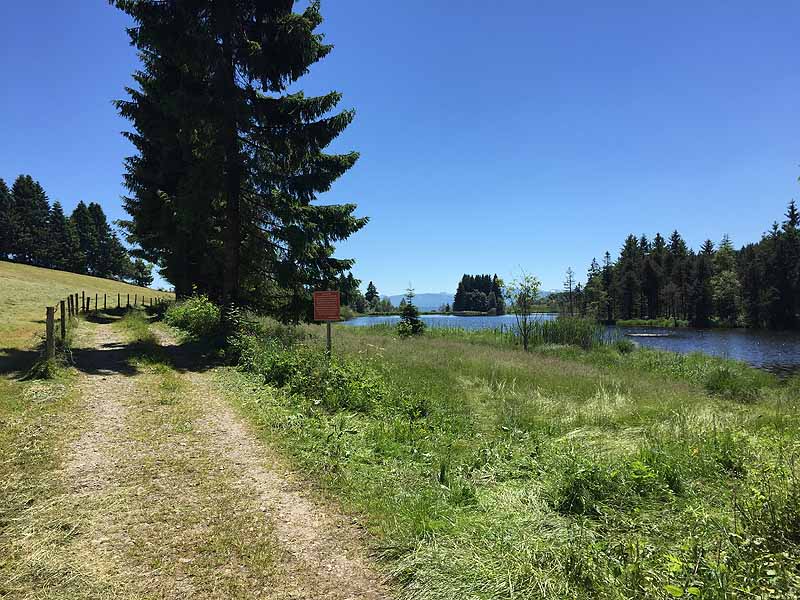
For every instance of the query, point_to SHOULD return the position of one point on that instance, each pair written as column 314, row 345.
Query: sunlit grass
column 484, row 471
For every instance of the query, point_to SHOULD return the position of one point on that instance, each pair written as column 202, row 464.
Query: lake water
column 778, row 352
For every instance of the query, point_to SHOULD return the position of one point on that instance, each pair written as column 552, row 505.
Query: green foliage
column 315, row 380
column 198, row 316
column 599, row 475
column 230, row 156
column 141, row 274
column 410, row 324
column 480, row 294
column 758, row 285
column 29, row 213
column 522, row 295
column 624, row 345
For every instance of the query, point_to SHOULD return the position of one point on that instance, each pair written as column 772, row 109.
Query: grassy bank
column 26, row 290
column 485, row 472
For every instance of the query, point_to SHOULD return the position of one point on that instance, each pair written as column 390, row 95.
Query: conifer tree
column 141, row 273
column 63, row 248
column 7, row 233
column 30, row 210
column 372, row 293
column 259, row 148
column 88, row 241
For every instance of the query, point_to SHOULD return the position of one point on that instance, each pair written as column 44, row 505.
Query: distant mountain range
column 429, row 301
column 434, row 300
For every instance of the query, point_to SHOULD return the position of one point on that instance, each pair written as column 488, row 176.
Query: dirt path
column 179, row 498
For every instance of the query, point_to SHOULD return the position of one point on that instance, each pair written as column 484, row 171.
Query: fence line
column 78, row 304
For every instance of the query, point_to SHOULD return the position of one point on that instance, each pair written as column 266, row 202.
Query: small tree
column 522, row 295
column 410, row 323
column 569, row 288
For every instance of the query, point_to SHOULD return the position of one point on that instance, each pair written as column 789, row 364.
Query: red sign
column 326, row 306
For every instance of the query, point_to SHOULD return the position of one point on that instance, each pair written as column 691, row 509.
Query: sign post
column 327, row 309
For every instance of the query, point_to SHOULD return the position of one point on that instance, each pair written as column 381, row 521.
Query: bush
column 310, row 375
column 624, row 346
column 198, row 316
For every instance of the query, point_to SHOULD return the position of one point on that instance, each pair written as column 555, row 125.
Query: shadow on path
column 111, row 356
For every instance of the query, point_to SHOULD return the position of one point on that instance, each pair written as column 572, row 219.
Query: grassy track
column 484, row 472
column 26, row 290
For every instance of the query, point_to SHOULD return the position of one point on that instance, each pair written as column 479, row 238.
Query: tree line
column 480, row 293
column 230, row 155
column 757, row 285
column 35, row 232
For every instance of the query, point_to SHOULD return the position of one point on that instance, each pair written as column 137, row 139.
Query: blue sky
column 494, row 136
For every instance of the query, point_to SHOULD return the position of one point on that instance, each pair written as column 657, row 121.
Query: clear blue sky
column 493, row 135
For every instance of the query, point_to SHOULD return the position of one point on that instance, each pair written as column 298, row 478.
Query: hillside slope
column 26, row 290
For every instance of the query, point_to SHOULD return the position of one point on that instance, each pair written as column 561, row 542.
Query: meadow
column 486, row 472
column 26, row 290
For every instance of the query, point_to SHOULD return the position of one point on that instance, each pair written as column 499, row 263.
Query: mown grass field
column 25, row 291
column 486, row 472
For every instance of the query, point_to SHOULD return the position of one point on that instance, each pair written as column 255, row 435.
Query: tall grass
column 484, row 472
column 563, row 331
column 583, row 333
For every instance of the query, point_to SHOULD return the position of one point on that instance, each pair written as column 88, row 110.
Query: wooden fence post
column 83, row 301
column 129, row 301
column 51, row 338
column 63, row 320
column 135, row 299
column 119, row 302
column 105, row 301
column 69, row 304
column 96, row 303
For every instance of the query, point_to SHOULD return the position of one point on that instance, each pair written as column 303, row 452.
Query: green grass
column 485, row 472
column 25, row 291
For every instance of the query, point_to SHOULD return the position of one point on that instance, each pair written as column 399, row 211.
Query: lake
column 776, row 351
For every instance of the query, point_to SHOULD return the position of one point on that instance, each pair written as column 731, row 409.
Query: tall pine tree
column 258, row 149
column 30, row 210
column 7, row 233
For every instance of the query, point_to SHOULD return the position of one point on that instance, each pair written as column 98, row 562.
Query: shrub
column 309, row 374
column 198, row 316
column 624, row 346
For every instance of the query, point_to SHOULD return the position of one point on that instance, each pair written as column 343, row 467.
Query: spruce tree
column 141, row 273
column 63, row 248
column 30, row 209
column 88, row 241
column 258, row 148
column 372, row 293
column 7, row 233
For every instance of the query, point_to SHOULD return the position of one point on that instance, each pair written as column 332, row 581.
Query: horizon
column 529, row 137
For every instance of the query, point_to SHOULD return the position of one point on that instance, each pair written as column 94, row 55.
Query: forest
column 755, row 286
column 480, row 293
column 35, row 232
